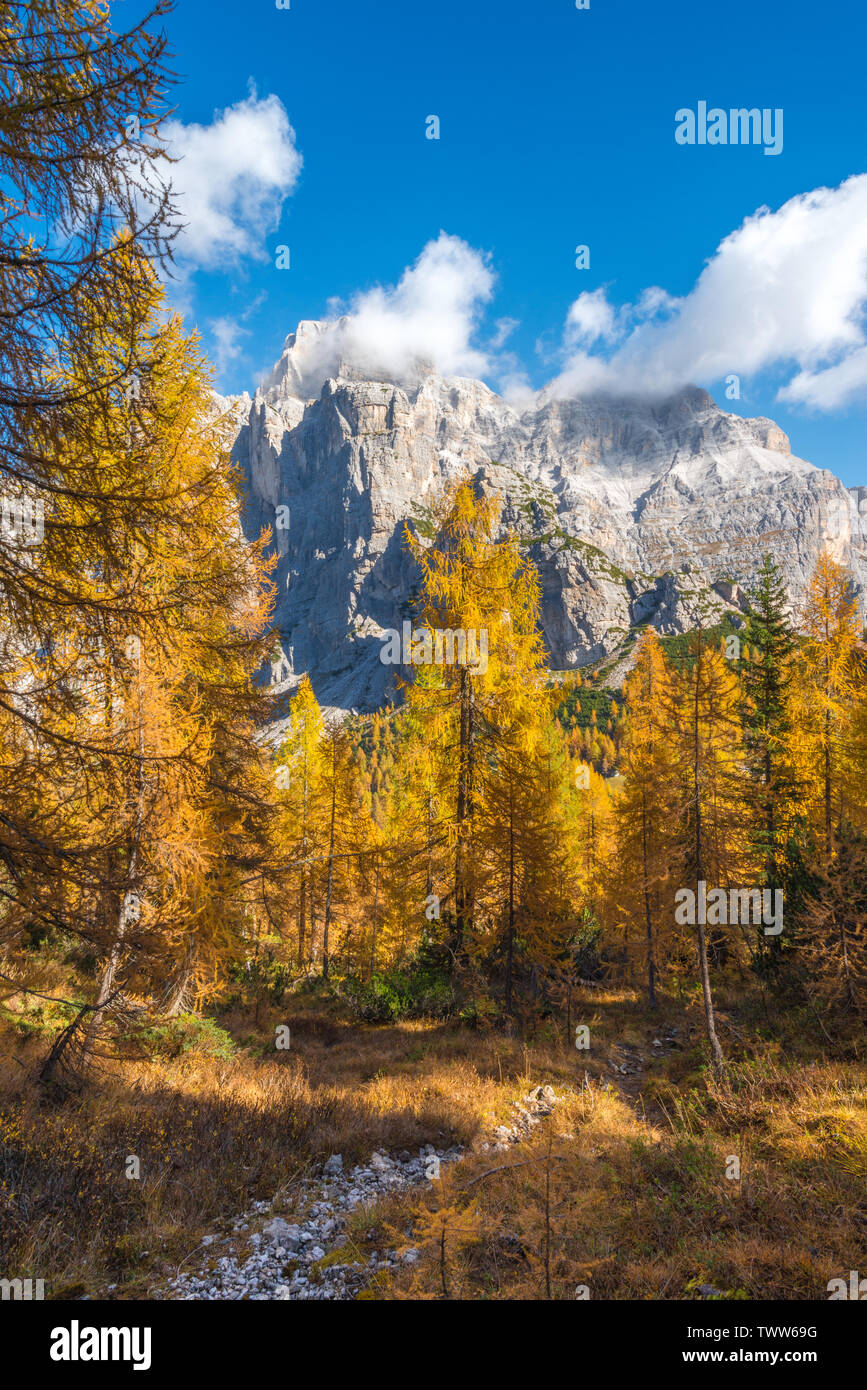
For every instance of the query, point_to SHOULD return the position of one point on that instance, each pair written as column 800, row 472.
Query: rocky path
column 271, row 1258
column 629, row 1062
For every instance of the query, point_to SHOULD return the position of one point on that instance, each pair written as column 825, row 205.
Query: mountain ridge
column 635, row 510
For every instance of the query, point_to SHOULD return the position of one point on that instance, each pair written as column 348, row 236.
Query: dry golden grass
column 632, row 1176
column 638, row 1209
column 211, row 1134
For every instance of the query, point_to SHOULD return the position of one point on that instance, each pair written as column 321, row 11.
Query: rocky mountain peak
column 634, row 510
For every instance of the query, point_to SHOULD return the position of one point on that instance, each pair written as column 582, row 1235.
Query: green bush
column 422, row 990
column 263, row 978
column 188, row 1033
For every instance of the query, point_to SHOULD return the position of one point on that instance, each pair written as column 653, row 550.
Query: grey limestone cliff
column 634, row 511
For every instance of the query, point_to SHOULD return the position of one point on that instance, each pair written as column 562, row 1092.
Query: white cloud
column 591, row 317
column 503, row 330
column 786, row 291
column 226, row 334
column 832, row 386
column 514, row 387
column 231, row 180
column 430, row 316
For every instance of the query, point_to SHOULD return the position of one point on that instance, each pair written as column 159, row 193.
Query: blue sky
column 556, row 129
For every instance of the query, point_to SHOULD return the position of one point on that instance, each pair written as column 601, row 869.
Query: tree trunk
column 648, row 918
column 709, row 1018
column 330, row 886
column 302, row 887
column 177, row 992
column 828, row 838
column 302, row 896
column 373, row 931
column 464, row 810
column 106, row 988
column 511, row 934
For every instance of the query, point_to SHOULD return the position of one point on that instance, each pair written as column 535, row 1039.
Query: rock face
column 634, row 511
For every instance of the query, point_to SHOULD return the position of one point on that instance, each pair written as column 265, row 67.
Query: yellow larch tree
column 642, row 810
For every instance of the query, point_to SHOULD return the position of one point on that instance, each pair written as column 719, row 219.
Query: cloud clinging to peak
column 785, row 292
column 431, row 316
column 784, row 295
column 431, row 313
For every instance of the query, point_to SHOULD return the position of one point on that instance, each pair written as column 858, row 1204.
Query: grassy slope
column 639, row 1204
column 635, row 1170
